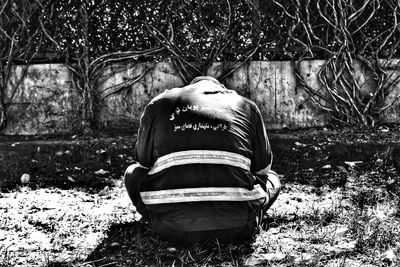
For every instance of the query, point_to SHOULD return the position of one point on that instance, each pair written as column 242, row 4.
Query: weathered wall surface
column 392, row 113
column 122, row 110
column 272, row 85
column 46, row 102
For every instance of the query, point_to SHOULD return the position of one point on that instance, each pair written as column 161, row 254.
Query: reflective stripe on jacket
column 200, row 157
column 202, row 194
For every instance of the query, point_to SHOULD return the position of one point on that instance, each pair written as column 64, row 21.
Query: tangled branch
column 348, row 35
column 19, row 39
column 345, row 23
column 191, row 63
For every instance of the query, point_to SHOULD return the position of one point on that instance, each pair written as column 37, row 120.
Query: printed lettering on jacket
column 196, row 126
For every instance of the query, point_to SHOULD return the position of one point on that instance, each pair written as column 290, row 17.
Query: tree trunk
column 88, row 101
column 3, row 118
column 256, row 26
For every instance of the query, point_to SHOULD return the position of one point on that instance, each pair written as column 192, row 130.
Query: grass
column 5, row 257
column 335, row 217
column 338, row 227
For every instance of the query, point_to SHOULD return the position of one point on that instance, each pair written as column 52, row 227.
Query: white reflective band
column 200, row 157
column 202, row 194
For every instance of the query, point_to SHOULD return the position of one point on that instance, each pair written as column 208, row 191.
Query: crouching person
column 204, row 162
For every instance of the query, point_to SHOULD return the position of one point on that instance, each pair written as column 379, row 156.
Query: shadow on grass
column 135, row 244
column 327, row 163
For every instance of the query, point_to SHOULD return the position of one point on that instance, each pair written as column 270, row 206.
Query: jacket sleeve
column 145, row 140
column 262, row 155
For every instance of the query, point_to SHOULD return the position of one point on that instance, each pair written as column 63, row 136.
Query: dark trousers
column 226, row 236
column 135, row 174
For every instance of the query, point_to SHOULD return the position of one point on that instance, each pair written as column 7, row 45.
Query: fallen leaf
column 101, row 171
column 274, row 231
column 379, row 162
column 299, row 144
column 342, row 169
column 114, row 245
column 100, row 151
column 347, row 246
column 304, row 257
column 352, row 163
column 172, row 249
column 384, row 129
column 264, row 259
column 105, row 191
column 341, row 230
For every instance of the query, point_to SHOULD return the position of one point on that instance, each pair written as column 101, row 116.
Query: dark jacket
column 203, row 145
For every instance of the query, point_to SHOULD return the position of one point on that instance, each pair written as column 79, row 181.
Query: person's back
column 203, row 146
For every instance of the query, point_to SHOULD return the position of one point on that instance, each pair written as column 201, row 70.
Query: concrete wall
column 392, row 114
column 122, row 110
column 271, row 85
column 46, row 102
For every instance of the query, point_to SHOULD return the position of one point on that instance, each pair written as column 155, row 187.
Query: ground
column 339, row 206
